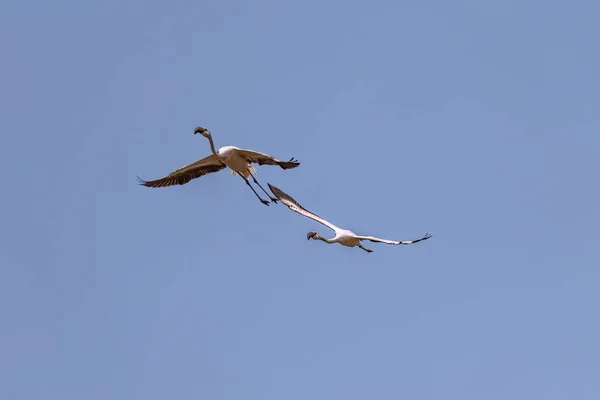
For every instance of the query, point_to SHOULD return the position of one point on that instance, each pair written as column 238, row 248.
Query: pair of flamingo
column 239, row 161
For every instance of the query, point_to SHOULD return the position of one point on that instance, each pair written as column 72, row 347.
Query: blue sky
column 475, row 121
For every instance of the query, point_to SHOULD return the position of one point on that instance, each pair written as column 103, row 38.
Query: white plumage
column 342, row 236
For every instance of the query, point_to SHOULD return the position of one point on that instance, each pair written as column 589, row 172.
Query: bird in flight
column 238, row 160
column 342, row 236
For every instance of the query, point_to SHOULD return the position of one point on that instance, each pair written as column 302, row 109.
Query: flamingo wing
column 394, row 242
column 295, row 206
column 265, row 159
column 185, row 174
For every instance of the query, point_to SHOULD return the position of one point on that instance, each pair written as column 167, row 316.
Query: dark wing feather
column 292, row 163
column 185, row 174
column 265, row 159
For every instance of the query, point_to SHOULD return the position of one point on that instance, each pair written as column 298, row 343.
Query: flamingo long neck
column 330, row 241
column 212, row 145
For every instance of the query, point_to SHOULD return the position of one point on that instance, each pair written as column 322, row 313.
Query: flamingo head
column 203, row 131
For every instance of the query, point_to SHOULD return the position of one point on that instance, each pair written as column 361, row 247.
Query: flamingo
column 238, row 160
column 342, row 236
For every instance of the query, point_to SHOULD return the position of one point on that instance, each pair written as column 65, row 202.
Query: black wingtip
column 274, row 190
column 292, row 163
column 141, row 181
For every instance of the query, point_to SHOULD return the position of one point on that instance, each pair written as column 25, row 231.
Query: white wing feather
column 394, row 242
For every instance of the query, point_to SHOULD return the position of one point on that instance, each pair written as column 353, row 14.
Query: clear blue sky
column 475, row 121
